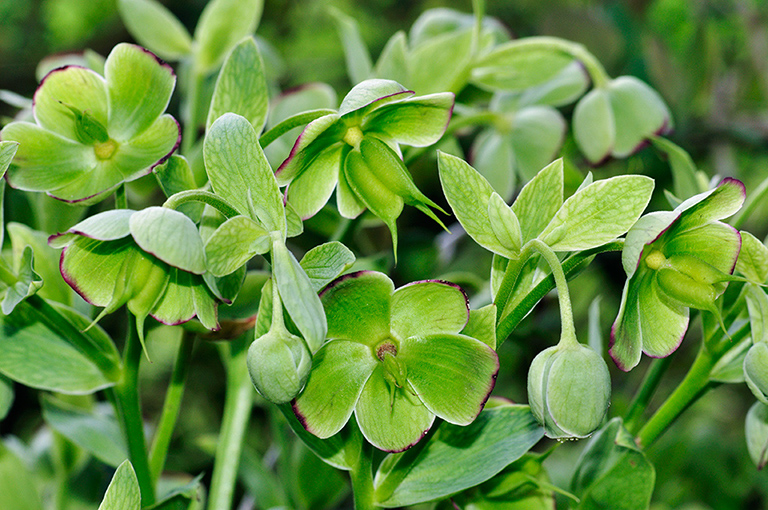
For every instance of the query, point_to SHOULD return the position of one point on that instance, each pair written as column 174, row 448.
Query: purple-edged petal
column 662, row 323
column 92, row 267
column 716, row 243
column 717, row 204
column 105, row 226
column 371, row 94
column 427, row 307
column 90, row 186
column 312, row 189
column 645, row 231
column 452, row 374
column 72, row 86
column 170, row 236
column 390, row 419
column 317, row 136
column 177, row 304
column 347, row 201
column 136, row 157
column 638, row 111
column 418, row 121
column 139, row 89
column 340, row 369
column 357, row 307
column 626, row 334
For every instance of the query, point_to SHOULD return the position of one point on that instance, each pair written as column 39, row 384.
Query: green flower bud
column 569, row 389
column 756, row 432
column 279, row 364
column 756, row 371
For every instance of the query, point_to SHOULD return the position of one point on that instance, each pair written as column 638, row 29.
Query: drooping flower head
column 396, row 359
column 91, row 132
column 674, row 260
column 355, row 151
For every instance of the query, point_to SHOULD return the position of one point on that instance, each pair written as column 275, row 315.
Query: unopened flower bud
column 756, row 432
column 569, row 389
column 279, row 364
column 756, row 371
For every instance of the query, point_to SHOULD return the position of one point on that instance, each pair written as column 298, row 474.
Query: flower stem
column 297, row 120
column 173, row 396
column 121, row 200
column 189, row 133
column 198, row 195
column 237, row 411
column 644, row 394
column 129, row 410
column 568, row 330
column 362, row 479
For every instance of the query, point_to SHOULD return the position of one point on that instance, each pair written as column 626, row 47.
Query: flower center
column 655, row 260
column 353, row 136
column 394, row 370
column 105, row 150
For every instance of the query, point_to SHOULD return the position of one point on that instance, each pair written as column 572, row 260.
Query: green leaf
column 684, row 174
column 417, row 121
column 482, row 325
column 96, row 430
column 239, row 171
column 457, row 458
column 504, row 224
column 313, row 483
column 599, row 213
column 756, row 431
column 494, row 159
column 123, row 492
column 155, row 27
column 28, row 283
column 753, row 258
column 730, row 368
column 186, row 497
column 6, row 396
column 7, row 152
column 234, row 243
column 325, row 262
column 562, row 89
column 139, row 88
column 518, row 65
column 37, row 357
column 355, row 51
column 299, row 297
column 221, row 25
column 20, row 491
column 175, row 175
column 241, row 87
column 428, row 307
column 393, row 60
column 170, row 236
column 339, row 372
column 357, row 306
column 468, row 194
column 593, row 125
column 613, row 472
column 452, row 374
column 441, row 63
column 539, row 200
column 757, row 304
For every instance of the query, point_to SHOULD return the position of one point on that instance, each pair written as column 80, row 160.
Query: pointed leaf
column 539, row 200
column 452, row 374
column 428, row 307
column 753, row 258
column 325, row 262
column 355, row 51
column 238, row 169
column 417, row 121
column 7, row 152
column 441, row 63
column 357, row 306
column 599, row 213
column 170, row 236
column 757, row 304
column 241, row 87
column 123, row 492
column 28, row 283
column 482, row 325
column 504, row 224
column 234, row 243
column 517, row 65
column 684, row 173
column 221, row 25
column 393, row 60
column 155, row 27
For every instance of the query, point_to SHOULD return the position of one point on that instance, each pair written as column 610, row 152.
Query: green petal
column 418, row 121
column 177, row 304
column 537, row 136
column 340, row 369
column 346, row 200
column 626, row 334
column 371, row 94
column 638, row 113
column 105, row 226
column 139, row 86
column 717, row 244
column 593, row 125
column 44, row 160
column 138, row 155
column 170, row 236
column 452, row 374
column 69, row 86
column 392, row 424
column 662, row 324
column 317, row 136
column 205, row 305
column 311, row 189
column 91, row 186
column 717, row 204
column 424, row 308
column 92, row 267
column 357, row 307
column 494, row 159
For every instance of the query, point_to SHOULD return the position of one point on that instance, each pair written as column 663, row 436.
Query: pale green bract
column 93, row 133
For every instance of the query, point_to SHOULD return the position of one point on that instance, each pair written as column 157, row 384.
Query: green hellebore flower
column 674, row 260
column 92, row 133
column 356, row 152
column 617, row 119
column 569, row 389
column 151, row 260
column 396, row 359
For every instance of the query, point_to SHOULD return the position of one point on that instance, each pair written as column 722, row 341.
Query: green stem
column 237, row 410
column 568, row 330
column 129, row 409
column 644, row 394
column 297, row 120
column 189, row 132
column 121, row 200
column 362, row 479
column 346, row 229
column 173, row 396
column 198, row 195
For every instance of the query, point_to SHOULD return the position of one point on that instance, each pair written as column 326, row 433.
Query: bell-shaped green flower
column 396, row 359
column 618, row 119
column 355, row 151
column 150, row 260
column 92, row 133
column 675, row 260
column 569, row 389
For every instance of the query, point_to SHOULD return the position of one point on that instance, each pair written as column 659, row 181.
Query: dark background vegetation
column 707, row 58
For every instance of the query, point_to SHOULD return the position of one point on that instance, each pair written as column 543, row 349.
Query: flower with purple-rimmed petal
column 356, row 152
column 675, row 260
column 152, row 260
column 92, row 133
column 396, row 359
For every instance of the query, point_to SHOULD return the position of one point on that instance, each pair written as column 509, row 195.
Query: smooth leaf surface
column 504, row 224
column 20, row 491
column 28, row 283
column 357, row 306
column 170, row 236
column 482, row 325
column 6, row 396
column 7, row 152
column 517, row 65
column 155, row 27
column 221, row 25
column 356, row 53
column 457, row 458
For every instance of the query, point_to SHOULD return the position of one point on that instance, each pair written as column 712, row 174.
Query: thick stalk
column 237, row 410
column 189, row 132
column 198, row 195
column 644, row 394
column 568, row 330
column 121, row 199
column 362, row 479
column 173, row 396
column 297, row 120
column 129, row 409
